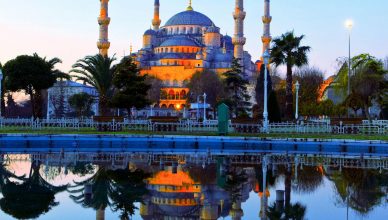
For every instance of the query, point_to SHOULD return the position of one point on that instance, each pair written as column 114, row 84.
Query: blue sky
column 69, row 29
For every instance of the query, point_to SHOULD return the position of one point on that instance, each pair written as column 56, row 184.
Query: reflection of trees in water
column 361, row 189
column 309, row 179
column 204, row 175
column 31, row 198
column 235, row 179
column 82, row 168
column 295, row 211
column 118, row 189
column 305, row 179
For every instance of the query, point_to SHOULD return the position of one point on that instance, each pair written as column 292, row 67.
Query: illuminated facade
column 190, row 42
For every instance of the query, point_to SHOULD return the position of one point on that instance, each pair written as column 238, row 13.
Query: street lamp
column 204, row 107
column 297, row 86
column 1, row 80
column 266, row 57
column 349, row 26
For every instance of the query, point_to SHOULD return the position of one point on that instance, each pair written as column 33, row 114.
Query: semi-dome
column 189, row 18
column 213, row 29
column 150, row 32
column 179, row 41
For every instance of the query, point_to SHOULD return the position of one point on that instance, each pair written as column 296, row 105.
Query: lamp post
column 204, row 107
column 349, row 26
column 1, row 95
column 266, row 57
column 197, row 107
column 297, row 86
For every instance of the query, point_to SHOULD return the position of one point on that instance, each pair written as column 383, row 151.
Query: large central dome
column 189, row 17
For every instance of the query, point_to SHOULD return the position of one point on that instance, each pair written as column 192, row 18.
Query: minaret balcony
column 267, row 19
column 103, row 20
column 239, row 15
column 239, row 40
column 103, row 44
column 266, row 39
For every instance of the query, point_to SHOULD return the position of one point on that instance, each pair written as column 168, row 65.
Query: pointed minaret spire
column 190, row 8
column 156, row 20
column 238, row 38
column 266, row 38
column 103, row 44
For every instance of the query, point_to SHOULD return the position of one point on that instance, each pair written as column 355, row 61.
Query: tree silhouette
column 30, row 199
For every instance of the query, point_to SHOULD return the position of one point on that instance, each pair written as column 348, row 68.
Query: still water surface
column 191, row 186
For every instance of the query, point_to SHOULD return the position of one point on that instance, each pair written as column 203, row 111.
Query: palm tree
column 31, row 198
column 97, row 71
column 118, row 189
column 286, row 50
column 295, row 211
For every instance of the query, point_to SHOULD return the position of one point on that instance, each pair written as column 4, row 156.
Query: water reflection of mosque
column 195, row 192
column 199, row 186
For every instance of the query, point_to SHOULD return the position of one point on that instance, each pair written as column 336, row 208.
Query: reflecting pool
column 204, row 186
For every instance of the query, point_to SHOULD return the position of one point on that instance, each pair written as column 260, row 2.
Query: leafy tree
column 287, row 50
column 354, row 102
column 30, row 198
column 31, row 74
column 310, row 80
column 368, row 82
column 97, row 71
column 295, row 211
column 118, row 189
column 131, row 89
column 3, row 91
column 273, row 108
column 81, row 103
column 209, row 83
column 236, row 88
column 326, row 107
column 154, row 93
column 360, row 189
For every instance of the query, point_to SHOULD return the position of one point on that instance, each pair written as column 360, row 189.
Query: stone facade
column 189, row 42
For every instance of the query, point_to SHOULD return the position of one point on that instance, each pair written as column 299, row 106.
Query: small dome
column 213, row 29
column 227, row 38
column 179, row 41
column 149, row 32
column 189, row 18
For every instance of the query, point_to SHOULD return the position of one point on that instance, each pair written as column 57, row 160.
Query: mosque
column 187, row 43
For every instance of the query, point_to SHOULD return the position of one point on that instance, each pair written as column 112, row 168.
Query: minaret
column 266, row 38
column 103, row 44
column 239, row 39
column 156, row 20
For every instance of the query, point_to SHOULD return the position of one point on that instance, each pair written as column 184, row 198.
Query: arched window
column 183, row 94
column 171, row 94
column 184, row 30
column 171, row 106
column 191, row 30
column 177, row 95
column 164, row 106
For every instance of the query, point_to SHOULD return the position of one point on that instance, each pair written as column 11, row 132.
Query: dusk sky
column 69, row 29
